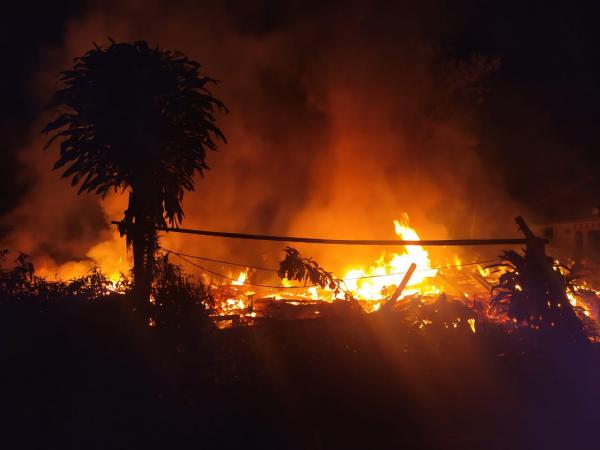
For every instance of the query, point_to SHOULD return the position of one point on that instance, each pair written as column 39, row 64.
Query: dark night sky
column 539, row 116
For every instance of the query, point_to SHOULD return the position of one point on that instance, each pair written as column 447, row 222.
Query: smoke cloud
column 340, row 121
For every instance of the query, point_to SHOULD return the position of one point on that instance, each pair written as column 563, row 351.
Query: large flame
column 241, row 279
column 374, row 282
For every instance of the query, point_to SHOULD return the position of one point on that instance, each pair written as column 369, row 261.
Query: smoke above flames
column 340, row 121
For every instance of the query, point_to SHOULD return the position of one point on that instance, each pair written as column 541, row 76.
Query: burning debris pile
column 515, row 293
column 526, row 290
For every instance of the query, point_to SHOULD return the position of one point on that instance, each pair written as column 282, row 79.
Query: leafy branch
column 308, row 272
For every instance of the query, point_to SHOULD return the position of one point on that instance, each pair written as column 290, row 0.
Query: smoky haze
column 339, row 122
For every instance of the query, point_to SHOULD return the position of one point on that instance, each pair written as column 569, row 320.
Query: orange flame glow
column 389, row 270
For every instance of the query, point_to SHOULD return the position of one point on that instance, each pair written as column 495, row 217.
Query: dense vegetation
column 93, row 374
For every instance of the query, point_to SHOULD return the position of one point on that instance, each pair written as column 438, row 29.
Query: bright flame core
column 241, row 279
column 389, row 270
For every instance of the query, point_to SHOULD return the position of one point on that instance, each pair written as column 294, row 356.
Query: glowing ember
column 471, row 323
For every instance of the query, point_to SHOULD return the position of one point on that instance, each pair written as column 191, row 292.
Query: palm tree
column 140, row 119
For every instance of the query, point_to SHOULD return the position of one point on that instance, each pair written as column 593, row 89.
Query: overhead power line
column 268, row 269
column 230, row 278
column 220, row 261
column 364, row 242
column 185, row 257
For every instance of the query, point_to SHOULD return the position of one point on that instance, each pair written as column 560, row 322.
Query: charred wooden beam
column 389, row 303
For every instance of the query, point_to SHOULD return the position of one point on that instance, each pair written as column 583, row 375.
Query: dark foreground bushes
column 94, row 375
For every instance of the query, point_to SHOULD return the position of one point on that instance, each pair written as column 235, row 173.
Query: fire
column 232, row 299
column 115, row 280
column 115, row 277
column 375, row 282
column 241, row 279
column 110, row 256
column 483, row 271
column 370, row 285
column 578, row 302
column 313, row 292
column 471, row 322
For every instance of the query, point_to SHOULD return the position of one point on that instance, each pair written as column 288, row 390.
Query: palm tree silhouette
column 140, row 119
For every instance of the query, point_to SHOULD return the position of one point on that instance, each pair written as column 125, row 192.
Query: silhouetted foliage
column 525, row 294
column 308, row 271
column 138, row 118
column 176, row 296
column 20, row 283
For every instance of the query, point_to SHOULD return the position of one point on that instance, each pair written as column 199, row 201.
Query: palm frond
column 132, row 115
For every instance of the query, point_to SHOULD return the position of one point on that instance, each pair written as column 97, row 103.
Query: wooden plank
column 389, row 303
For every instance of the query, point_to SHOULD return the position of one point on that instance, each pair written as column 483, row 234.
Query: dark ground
column 93, row 376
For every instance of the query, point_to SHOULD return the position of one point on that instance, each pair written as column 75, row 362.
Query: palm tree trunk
column 150, row 249
column 141, row 289
column 143, row 240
